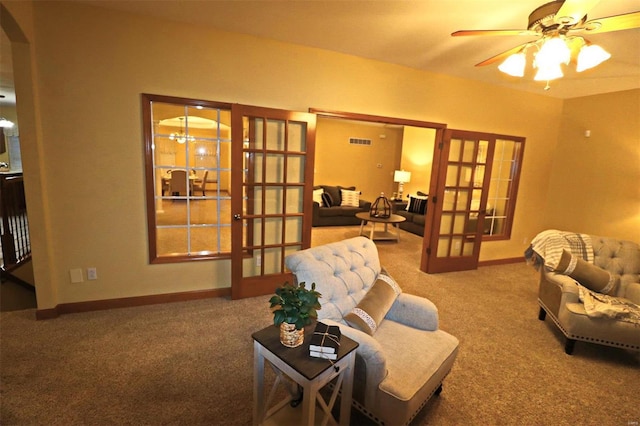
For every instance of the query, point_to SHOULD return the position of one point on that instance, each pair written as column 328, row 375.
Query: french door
column 452, row 242
column 275, row 149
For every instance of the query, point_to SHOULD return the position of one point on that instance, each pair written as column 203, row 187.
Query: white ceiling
column 413, row 33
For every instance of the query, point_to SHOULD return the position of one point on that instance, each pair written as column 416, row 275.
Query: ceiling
column 412, row 33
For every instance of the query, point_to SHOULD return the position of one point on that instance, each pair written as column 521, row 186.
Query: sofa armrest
column 568, row 286
column 316, row 214
column 370, row 352
column 414, row 311
column 633, row 293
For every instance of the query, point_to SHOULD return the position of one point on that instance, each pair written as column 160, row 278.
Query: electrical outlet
column 92, row 274
column 258, row 260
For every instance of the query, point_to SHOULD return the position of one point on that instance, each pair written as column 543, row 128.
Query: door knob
column 236, row 216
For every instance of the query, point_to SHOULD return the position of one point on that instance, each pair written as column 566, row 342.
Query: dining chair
column 200, row 185
column 178, row 183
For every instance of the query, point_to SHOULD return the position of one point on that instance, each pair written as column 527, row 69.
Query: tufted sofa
column 559, row 297
column 404, row 362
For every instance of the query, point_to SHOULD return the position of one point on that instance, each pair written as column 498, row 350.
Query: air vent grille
column 359, row 141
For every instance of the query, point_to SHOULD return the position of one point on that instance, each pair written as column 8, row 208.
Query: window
column 188, row 178
column 503, row 187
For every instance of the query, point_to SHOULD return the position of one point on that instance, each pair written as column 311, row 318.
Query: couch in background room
column 337, row 205
column 414, row 212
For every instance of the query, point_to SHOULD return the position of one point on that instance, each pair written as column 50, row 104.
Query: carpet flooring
column 191, row 363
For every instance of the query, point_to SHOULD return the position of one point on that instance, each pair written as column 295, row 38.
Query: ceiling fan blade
column 492, row 33
column 572, row 11
column 626, row 21
column 501, row 56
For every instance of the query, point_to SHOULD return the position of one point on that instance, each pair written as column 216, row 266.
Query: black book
column 325, row 339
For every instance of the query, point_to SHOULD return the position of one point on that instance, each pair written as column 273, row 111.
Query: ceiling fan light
column 547, row 73
column 590, row 56
column 554, row 51
column 514, row 65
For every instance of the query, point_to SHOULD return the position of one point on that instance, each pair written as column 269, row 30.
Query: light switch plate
column 76, row 275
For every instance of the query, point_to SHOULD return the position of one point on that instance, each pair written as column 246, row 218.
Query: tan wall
column 417, row 158
column 595, row 181
column 83, row 159
column 340, row 163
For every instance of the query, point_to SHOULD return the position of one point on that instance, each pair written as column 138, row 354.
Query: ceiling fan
column 559, row 26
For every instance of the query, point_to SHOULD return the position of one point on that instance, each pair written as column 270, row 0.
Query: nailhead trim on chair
column 373, row 417
column 584, row 338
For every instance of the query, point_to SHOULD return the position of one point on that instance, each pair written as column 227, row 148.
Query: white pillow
column 350, row 198
column 317, row 195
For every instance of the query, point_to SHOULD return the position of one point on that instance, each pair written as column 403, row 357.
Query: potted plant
column 295, row 307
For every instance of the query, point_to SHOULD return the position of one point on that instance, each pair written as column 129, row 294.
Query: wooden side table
column 397, row 205
column 312, row 374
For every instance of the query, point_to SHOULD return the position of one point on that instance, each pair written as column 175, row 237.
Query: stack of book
column 325, row 341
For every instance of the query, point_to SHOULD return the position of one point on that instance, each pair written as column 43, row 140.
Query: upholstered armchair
column 403, row 356
column 589, row 287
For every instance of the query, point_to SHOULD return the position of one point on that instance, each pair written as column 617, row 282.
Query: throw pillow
column 373, row 307
column 417, row 205
column 350, row 198
column 587, row 274
column 326, row 199
column 334, row 191
column 317, row 196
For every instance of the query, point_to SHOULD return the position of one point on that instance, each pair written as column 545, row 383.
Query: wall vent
column 359, row 141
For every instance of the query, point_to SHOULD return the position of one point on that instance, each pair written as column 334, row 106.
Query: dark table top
column 299, row 358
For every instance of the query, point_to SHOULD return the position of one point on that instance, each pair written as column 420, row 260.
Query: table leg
column 309, row 404
column 258, row 383
column 347, row 389
column 373, row 227
column 362, row 222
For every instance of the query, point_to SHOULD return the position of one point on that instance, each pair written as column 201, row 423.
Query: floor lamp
column 401, row 176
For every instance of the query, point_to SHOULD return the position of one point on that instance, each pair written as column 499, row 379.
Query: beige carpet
column 191, row 363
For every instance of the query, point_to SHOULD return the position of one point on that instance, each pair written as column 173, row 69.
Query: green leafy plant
column 295, row 304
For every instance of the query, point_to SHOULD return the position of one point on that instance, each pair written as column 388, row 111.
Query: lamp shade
column 590, row 56
column 514, row 65
column 554, row 51
column 401, row 176
column 548, row 72
column 6, row 124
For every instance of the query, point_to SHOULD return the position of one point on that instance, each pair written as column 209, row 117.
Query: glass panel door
column 275, row 149
column 454, row 243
